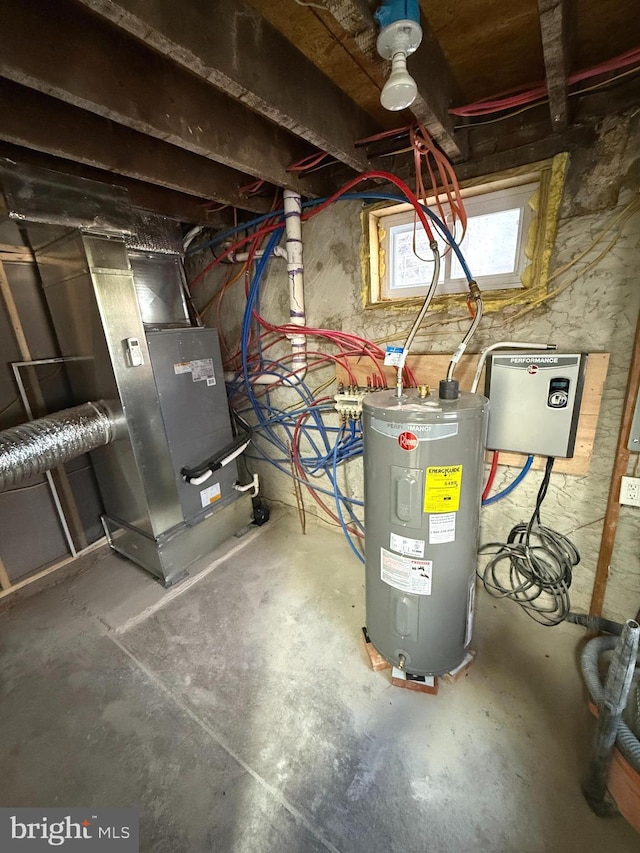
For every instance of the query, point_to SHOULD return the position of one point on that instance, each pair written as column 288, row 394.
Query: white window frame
column 538, row 228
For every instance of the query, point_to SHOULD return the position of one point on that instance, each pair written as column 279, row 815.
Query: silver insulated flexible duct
column 38, row 446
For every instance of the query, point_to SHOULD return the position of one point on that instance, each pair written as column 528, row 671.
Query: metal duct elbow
column 43, row 444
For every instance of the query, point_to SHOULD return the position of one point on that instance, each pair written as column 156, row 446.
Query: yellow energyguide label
column 442, row 488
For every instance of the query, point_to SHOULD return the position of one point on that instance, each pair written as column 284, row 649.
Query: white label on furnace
column 210, row 495
column 182, row 367
column 410, row 547
column 202, row 368
column 442, row 528
column 406, row 574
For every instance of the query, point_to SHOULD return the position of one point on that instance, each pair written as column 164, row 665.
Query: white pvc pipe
column 241, row 257
column 295, row 272
column 297, row 316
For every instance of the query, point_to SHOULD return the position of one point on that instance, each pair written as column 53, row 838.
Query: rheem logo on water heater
column 408, row 440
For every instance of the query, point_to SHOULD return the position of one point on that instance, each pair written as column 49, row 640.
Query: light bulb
column 400, row 90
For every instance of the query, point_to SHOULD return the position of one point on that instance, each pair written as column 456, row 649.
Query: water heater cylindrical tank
column 423, row 463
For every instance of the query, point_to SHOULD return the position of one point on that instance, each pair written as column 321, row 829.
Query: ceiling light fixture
column 400, row 36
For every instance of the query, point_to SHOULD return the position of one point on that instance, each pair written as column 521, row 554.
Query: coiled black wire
column 534, row 566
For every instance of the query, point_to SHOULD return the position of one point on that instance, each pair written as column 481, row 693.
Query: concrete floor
column 238, row 713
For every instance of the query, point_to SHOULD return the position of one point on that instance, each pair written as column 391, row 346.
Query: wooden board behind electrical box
column 431, row 368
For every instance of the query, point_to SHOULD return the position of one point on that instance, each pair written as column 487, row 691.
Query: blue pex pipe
column 367, row 196
column 507, row 491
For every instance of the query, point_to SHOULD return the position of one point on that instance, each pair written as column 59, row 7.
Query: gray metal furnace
column 115, row 288
column 127, row 337
column 423, row 462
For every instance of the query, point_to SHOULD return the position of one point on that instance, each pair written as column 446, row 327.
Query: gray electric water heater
column 423, row 464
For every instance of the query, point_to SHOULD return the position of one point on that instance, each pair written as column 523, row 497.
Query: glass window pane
column 490, row 246
column 409, row 269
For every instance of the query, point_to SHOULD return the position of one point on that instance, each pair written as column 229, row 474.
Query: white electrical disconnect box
column 534, row 401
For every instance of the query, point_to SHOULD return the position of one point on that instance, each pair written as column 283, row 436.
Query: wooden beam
column 38, row 121
column 233, row 47
column 437, row 88
column 5, row 580
column 322, row 40
column 146, row 196
column 437, row 91
column 521, row 154
column 620, row 463
column 553, row 29
column 63, row 51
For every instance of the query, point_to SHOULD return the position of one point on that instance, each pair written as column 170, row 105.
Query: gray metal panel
column 30, row 532
column 402, row 439
column 519, row 387
column 159, row 287
column 195, row 413
column 36, row 323
column 168, row 557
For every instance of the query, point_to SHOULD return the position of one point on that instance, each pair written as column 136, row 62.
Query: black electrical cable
column 534, row 566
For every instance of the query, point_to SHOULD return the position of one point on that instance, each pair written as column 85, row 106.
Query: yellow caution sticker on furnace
column 442, row 488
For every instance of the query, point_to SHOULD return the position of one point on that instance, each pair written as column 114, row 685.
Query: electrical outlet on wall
column 630, row 491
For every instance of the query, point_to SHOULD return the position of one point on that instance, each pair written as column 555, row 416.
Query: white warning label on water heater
column 405, row 545
column 406, row 574
column 442, row 528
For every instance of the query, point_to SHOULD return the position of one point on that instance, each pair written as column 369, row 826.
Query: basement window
column 511, row 221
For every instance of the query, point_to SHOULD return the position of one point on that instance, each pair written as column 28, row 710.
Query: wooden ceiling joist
column 437, row 91
column 46, row 124
column 273, row 78
column 62, row 51
column 554, row 32
column 437, row 88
